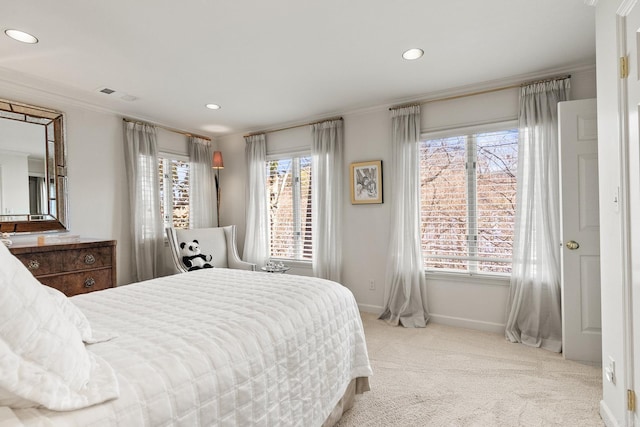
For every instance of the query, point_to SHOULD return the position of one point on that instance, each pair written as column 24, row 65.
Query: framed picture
column 366, row 182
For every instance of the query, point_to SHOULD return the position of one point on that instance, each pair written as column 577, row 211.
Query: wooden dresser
column 73, row 268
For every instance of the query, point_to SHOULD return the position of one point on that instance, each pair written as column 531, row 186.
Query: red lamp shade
column 217, row 160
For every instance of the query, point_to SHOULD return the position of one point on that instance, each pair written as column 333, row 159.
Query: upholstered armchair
column 218, row 242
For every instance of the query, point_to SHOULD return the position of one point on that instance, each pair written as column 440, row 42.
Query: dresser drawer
column 80, row 283
column 74, row 268
column 83, row 259
column 41, row 263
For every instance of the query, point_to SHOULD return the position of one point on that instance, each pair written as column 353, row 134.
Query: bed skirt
column 356, row 386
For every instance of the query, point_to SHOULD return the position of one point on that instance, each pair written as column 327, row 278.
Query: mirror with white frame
column 33, row 170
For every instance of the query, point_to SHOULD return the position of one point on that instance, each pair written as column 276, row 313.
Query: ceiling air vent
column 112, row 92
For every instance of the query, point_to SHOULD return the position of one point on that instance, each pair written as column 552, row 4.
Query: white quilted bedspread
column 221, row 348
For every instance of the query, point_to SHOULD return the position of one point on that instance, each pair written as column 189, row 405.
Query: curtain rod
column 167, row 128
column 481, row 92
column 293, row 127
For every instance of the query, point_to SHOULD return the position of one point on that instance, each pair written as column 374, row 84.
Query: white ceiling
column 269, row 63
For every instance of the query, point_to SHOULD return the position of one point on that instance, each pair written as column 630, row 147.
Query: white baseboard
column 446, row 320
column 607, row 416
column 461, row 322
column 375, row 309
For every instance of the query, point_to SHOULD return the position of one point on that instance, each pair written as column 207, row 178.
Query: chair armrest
column 175, row 251
column 238, row 264
column 233, row 259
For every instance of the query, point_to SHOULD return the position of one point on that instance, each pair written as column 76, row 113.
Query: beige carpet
column 446, row 376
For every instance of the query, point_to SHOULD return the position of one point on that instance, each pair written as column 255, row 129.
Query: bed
column 215, row 347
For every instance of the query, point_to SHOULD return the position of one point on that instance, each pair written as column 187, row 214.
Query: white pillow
column 78, row 319
column 44, row 361
column 72, row 313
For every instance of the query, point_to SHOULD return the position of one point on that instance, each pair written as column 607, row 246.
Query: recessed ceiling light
column 213, row 106
column 412, row 54
column 21, row 36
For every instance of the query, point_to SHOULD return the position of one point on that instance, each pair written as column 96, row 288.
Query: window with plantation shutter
column 468, row 200
column 174, row 191
column 289, row 191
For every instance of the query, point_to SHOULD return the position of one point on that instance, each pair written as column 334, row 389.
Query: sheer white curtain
column 405, row 290
column 202, row 195
column 141, row 162
column 256, row 242
column 533, row 313
column 326, row 198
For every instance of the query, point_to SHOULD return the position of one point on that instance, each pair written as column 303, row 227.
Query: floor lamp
column 217, row 164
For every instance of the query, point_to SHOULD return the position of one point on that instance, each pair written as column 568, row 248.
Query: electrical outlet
column 372, row 285
column 610, row 371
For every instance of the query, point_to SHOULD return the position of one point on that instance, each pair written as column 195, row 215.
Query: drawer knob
column 89, row 259
column 33, row 265
column 89, row 282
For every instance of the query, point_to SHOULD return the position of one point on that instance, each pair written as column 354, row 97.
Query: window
column 174, row 190
column 289, row 192
column 468, row 201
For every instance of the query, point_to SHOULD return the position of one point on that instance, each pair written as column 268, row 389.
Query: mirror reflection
column 22, row 168
column 32, row 169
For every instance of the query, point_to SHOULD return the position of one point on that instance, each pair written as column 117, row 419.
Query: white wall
column 14, row 178
column 612, row 406
column 23, row 137
column 19, row 142
column 233, row 185
column 460, row 301
column 36, row 166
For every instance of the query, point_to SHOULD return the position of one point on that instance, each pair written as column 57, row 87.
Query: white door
column 581, row 320
column 632, row 24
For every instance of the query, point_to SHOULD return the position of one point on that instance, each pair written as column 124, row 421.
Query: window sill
column 293, row 263
column 475, row 278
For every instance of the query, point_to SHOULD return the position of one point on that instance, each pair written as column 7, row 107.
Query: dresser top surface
column 30, row 247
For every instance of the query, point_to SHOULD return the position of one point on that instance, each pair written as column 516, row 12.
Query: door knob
column 573, row 245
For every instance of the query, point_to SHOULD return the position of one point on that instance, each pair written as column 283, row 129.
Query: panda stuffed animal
column 192, row 258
